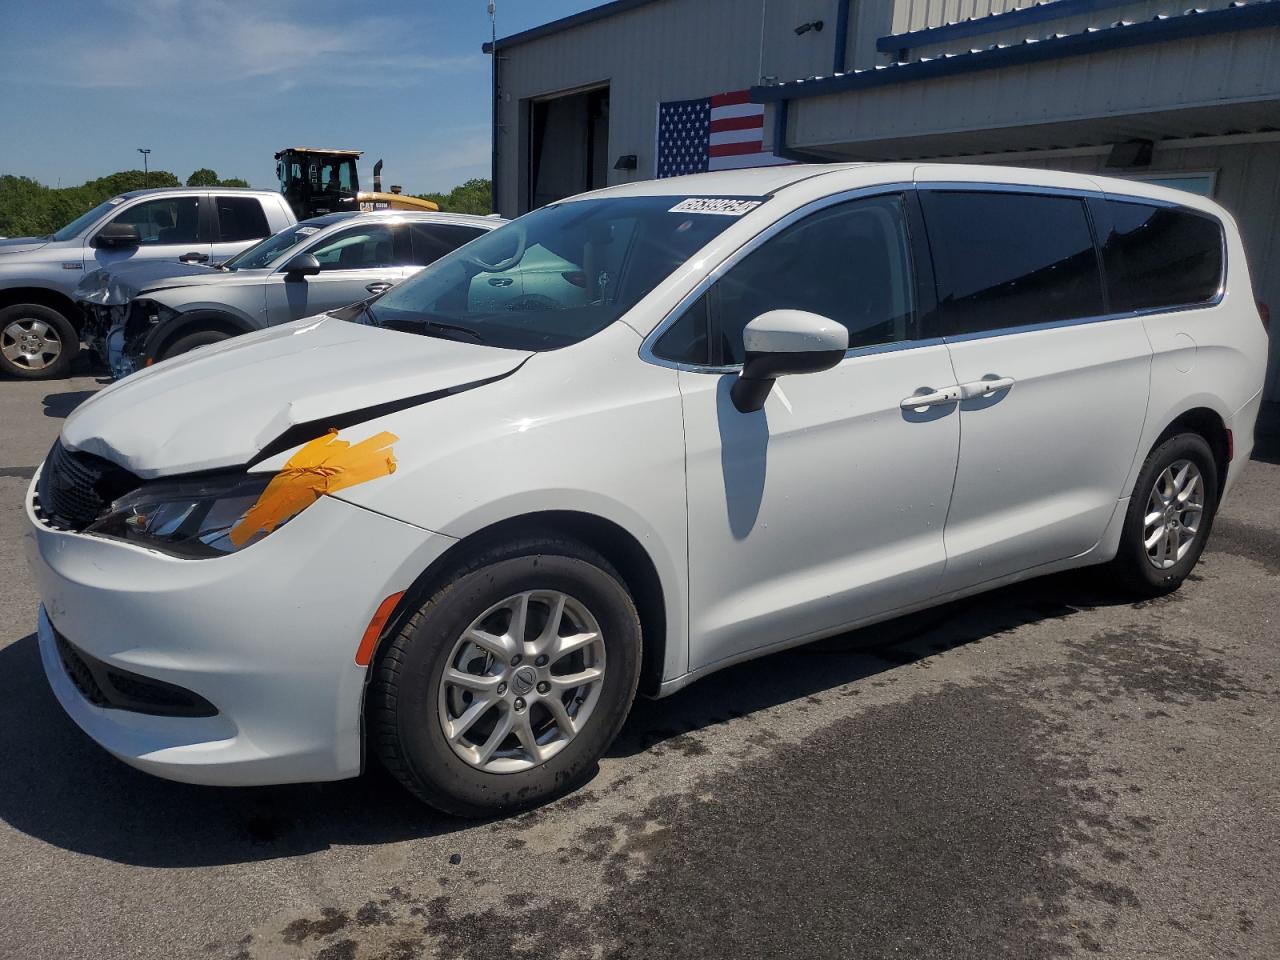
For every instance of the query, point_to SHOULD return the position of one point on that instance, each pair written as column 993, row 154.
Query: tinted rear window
column 1158, row 257
column 241, row 218
column 431, row 241
column 1010, row 259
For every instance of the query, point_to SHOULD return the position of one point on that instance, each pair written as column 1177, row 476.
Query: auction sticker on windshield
column 717, row 205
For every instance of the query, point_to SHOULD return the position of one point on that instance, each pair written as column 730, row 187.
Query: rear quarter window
column 1158, row 257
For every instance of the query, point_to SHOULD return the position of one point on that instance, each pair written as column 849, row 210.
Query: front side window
column 1159, row 257
column 357, row 248
column 850, row 262
column 240, row 219
column 558, row 275
column 1010, row 259
column 167, row 220
column 73, row 228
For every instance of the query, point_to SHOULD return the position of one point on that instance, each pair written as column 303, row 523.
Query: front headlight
column 187, row 518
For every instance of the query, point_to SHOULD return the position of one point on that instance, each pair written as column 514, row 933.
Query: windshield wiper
column 439, row 325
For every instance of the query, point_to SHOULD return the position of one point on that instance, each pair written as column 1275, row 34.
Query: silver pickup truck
column 40, row 324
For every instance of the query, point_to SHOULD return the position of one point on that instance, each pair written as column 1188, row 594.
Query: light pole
column 146, row 176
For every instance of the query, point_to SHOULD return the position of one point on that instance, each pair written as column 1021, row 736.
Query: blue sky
column 226, row 83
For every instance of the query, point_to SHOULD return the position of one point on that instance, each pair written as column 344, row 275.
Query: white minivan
column 624, row 441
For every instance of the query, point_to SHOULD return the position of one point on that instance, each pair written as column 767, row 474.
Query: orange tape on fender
column 325, row 465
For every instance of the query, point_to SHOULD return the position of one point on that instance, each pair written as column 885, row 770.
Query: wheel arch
column 1209, row 424
column 193, row 321
column 612, row 541
column 45, row 297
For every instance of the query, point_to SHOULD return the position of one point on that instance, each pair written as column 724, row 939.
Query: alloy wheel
column 522, row 681
column 1174, row 512
column 30, row 343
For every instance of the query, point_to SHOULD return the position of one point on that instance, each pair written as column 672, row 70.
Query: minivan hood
column 22, row 244
column 118, row 285
column 219, row 406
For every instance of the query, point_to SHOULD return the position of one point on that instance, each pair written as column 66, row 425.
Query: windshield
column 262, row 255
column 557, row 275
column 76, row 226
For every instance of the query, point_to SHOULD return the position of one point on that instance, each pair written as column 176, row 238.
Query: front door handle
column 984, row 388
column 936, row 398
column 378, row 286
column 194, row 257
column 500, row 281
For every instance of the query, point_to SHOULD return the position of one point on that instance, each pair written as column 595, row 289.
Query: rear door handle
column 379, row 286
column 984, row 388
column 937, row 398
column 194, row 257
column 500, row 281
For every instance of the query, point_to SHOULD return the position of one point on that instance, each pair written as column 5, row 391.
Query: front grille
column 76, row 488
column 112, row 688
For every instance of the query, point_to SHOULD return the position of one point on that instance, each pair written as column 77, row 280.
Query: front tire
column 36, row 342
column 1169, row 518
column 188, row 342
column 505, row 687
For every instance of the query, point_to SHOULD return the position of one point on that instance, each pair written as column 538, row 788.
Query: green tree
column 204, row 177
column 29, row 208
column 233, row 182
column 474, row 196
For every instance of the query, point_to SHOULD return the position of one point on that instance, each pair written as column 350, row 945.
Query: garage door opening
column 568, row 146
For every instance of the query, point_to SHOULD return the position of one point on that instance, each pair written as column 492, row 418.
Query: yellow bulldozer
column 316, row 181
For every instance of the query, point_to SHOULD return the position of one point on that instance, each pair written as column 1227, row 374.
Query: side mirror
column 783, row 342
column 118, row 235
column 302, row 265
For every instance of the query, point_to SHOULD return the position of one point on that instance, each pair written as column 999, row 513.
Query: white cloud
column 195, row 48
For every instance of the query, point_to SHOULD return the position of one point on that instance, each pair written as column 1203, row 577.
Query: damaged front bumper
column 118, row 333
column 265, row 637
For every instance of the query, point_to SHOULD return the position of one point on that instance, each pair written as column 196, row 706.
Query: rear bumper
column 1242, row 426
column 266, row 636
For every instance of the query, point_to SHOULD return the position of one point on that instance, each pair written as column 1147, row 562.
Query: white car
column 458, row 531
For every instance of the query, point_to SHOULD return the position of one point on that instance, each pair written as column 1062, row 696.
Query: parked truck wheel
column 36, row 342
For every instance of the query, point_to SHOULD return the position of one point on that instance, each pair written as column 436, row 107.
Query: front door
column 1055, row 394
column 355, row 263
column 827, row 506
column 168, row 228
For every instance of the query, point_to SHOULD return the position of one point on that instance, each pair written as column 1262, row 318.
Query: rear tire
column 529, row 721
column 1163, row 539
column 36, row 342
column 188, row 342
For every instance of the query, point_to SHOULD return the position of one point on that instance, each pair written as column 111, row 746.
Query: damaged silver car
column 151, row 312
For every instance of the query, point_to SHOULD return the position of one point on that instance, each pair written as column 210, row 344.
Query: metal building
column 1147, row 89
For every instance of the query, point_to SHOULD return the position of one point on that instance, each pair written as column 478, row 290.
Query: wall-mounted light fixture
column 806, row 27
column 628, row 161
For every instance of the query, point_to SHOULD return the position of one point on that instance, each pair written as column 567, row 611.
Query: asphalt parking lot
column 1048, row 771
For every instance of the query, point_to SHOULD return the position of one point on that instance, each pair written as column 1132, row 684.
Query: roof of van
column 765, row 181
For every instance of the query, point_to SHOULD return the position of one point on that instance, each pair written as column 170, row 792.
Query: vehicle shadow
column 60, row 405
column 63, row 789
column 793, row 675
column 60, row 787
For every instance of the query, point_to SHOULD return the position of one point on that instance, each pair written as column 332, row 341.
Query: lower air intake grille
column 110, row 687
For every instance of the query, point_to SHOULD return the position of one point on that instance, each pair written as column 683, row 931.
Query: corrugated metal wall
column 671, row 50
column 1209, row 71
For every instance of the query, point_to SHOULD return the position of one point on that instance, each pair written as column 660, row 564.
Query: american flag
column 723, row 132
